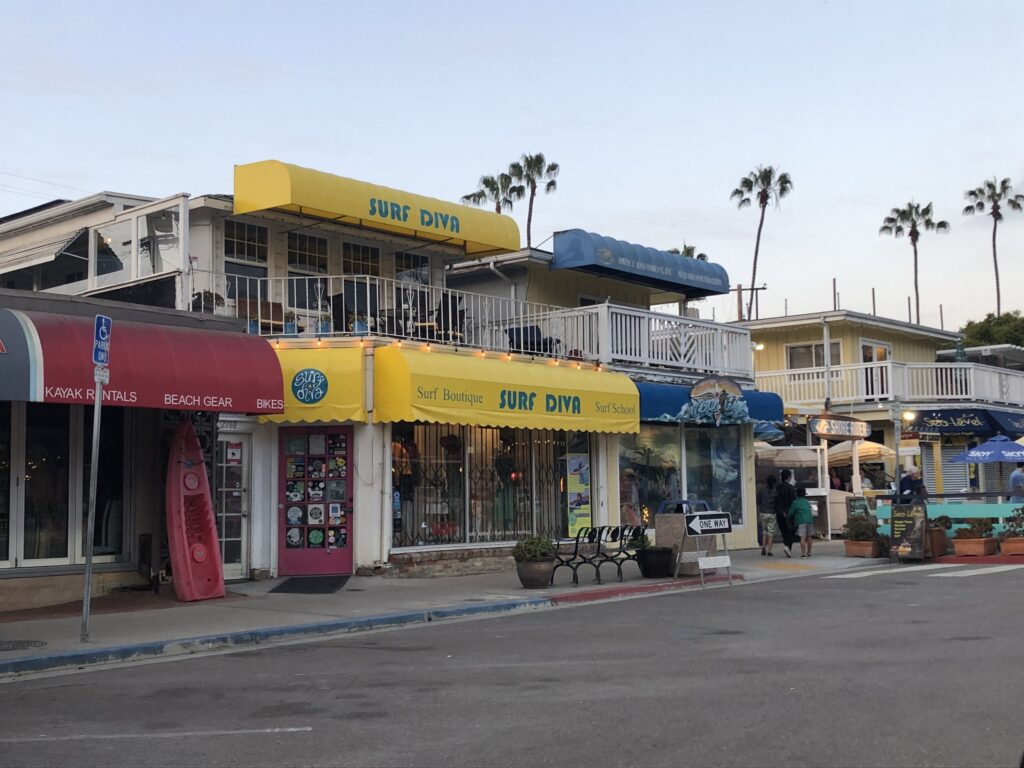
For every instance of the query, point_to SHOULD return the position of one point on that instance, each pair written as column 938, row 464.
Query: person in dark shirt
column 784, row 495
column 909, row 483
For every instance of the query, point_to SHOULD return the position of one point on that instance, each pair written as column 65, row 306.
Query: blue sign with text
column 101, row 340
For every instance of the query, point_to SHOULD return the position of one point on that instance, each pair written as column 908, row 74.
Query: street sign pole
column 101, row 376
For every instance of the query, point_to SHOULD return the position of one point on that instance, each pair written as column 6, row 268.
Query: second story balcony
column 887, row 381
column 369, row 306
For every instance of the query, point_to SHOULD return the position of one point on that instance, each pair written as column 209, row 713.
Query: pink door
column 315, row 504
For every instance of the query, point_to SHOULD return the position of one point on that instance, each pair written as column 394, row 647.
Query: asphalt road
column 901, row 669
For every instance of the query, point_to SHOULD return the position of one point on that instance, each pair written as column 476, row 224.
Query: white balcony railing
column 907, row 382
column 375, row 306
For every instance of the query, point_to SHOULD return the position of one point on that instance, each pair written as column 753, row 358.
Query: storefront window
column 113, row 253
column 159, row 241
column 713, row 468
column 648, row 472
column 458, row 485
column 5, row 481
column 109, row 524
column 47, row 439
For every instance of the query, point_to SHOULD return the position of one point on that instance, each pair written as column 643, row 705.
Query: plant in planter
column 291, row 327
column 655, row 562
column 323, row 323
column 937, row 542
column 862, row 538
column 535, row 557
column 206, row 302
column 1011, row 540
column 976, row 539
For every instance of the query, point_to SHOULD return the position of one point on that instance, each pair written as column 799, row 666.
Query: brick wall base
column 452, row 562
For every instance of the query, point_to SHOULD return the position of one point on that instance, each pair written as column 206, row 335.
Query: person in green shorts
column 803, row 518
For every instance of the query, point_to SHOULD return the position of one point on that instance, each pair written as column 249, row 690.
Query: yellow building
column 876, row 368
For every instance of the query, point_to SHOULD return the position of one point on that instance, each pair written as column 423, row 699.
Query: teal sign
column 309, row 386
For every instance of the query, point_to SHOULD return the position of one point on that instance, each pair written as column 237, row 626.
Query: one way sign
column 708, row 523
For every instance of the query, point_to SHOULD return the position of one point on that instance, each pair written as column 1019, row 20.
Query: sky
column 653, row 110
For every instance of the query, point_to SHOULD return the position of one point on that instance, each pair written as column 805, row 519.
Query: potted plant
column 938, row 541
column 291, row 328
column 535, row 557
column 975, row 540
column 323, row 323
column 1011, row 541
column 206, row 302
column 862, row 537
column 655, row 562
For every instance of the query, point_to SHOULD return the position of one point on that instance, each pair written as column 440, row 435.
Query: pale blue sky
column 653, row 110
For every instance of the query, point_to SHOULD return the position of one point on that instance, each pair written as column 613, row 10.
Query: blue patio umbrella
column 999, row 448
column 767, row 431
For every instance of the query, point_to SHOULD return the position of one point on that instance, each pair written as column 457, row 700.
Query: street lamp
column 899, row 416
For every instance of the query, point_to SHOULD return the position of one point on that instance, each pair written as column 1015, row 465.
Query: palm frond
column 550, row 187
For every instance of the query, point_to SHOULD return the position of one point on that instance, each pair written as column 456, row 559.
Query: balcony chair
column 529, row 338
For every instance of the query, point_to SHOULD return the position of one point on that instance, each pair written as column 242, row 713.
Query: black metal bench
column 596, row 546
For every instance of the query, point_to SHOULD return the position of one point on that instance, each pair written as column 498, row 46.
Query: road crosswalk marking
column 979, row 571
column 904, row 571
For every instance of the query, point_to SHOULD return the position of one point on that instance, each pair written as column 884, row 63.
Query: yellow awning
column 321, row 385
column 273, row 184
column 450, row 388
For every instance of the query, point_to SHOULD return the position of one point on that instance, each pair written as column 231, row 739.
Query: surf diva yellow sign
column 463, row 389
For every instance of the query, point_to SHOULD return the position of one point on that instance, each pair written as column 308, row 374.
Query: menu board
column 909, row 527
column 857, row 505
column 316, row 499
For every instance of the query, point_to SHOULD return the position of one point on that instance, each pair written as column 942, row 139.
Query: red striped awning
column 47, row 358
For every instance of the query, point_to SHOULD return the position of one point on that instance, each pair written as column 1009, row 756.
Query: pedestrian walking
column 803, row 518
column 766, row 514
column 784, row 495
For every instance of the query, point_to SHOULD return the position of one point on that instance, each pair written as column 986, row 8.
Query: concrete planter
column 655, row 562
column 535, row 574
column 974, row 547
column 863, row 548
column 1014, row 546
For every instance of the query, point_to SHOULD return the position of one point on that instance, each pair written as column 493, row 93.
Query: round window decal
column 309, row 386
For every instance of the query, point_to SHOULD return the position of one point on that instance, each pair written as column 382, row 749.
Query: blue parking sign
column 101, row 340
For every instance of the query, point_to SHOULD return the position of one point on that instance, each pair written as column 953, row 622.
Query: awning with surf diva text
column 452, row 388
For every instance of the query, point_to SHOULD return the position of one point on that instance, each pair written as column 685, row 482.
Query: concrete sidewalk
column 141, row 626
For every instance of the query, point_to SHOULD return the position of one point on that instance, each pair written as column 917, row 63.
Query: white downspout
column 506, row 278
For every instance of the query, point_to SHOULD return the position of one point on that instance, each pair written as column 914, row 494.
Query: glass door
column 46, row 499
column 231, row 490
column 874, row 354
column 6, row 486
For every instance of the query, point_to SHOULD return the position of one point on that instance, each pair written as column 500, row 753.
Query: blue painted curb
column 153, row 649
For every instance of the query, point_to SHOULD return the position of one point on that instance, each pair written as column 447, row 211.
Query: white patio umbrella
column 785, row 456
column 841, row 455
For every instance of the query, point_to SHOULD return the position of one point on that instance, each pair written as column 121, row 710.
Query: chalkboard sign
column 857, row 505
column 909, row 527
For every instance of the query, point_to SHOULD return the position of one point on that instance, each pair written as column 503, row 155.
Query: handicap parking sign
column 101, row 340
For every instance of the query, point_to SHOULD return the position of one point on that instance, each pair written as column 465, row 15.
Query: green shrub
column 942, row 521
column 1014, row 527
column 978, row 529
column 860, row 528
column 533, row 548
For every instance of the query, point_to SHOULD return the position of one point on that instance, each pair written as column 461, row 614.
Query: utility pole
column 835, row 296
column 874, row 309
column 740, row 290
column 942, row 320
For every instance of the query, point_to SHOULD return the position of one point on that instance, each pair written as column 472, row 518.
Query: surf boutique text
column 519, row 400
column 385, row 209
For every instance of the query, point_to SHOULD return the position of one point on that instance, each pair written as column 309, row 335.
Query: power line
column 23, row 191
column 42, row 181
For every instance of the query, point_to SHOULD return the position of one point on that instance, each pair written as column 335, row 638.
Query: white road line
column 981, row 571
column 905, row 571
column 175, row 735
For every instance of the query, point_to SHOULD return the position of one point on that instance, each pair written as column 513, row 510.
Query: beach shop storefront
column 160, row 374
column 486, row 449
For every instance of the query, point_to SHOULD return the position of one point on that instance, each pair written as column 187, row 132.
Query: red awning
column 151, row 366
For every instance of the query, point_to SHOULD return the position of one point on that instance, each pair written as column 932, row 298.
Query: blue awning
column 956, row 421
column 1010, row 424
column 576, row 249
column 663, row 402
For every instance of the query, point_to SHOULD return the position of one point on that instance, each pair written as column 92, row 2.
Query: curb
column 255, row 637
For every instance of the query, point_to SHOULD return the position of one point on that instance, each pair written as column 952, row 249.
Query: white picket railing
column 908, row 382
column 375, row 306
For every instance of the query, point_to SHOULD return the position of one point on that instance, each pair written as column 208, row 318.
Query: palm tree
column 533, row 170
column 768, row 186
column 991, row 195
column 499, row 190
column 689, row 251
column 910, row 221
